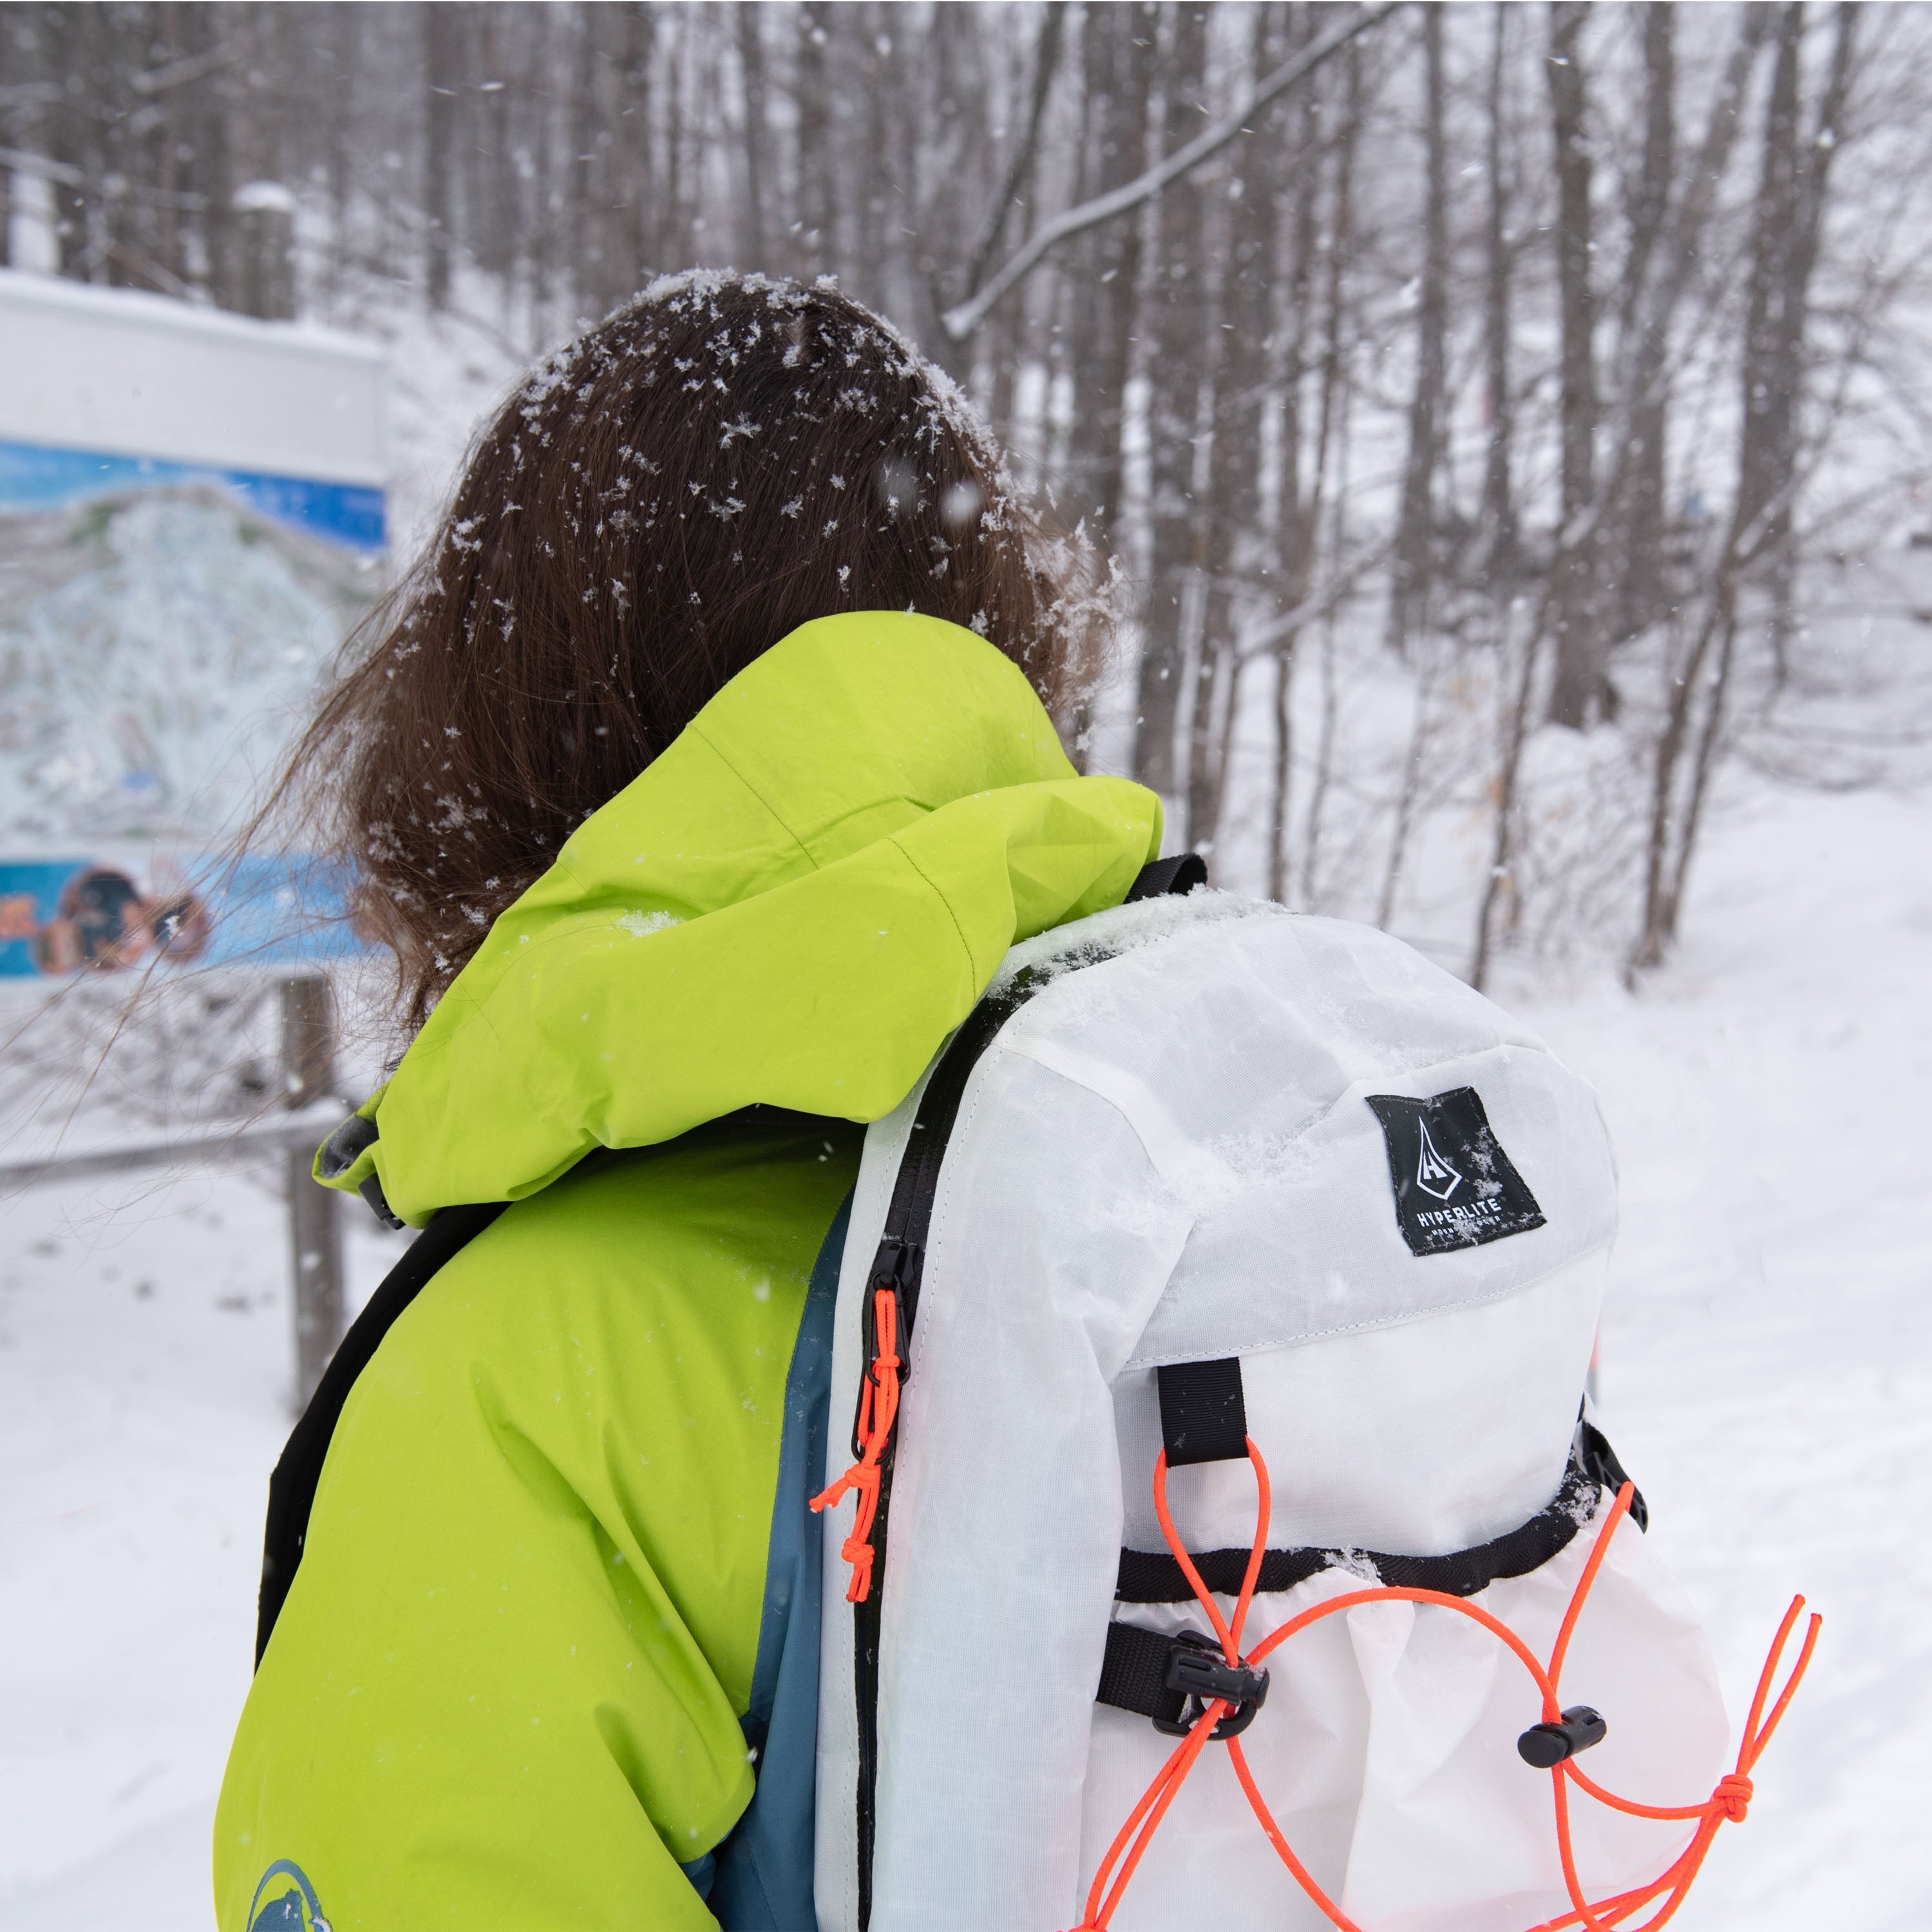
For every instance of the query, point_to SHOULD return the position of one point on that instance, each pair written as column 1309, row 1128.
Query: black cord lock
column 1198, row 1669
column 1545, row 1746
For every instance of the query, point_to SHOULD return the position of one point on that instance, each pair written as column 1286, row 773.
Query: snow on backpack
column 1224, row 1544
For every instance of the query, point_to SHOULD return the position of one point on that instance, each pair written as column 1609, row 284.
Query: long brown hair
column 721, row 460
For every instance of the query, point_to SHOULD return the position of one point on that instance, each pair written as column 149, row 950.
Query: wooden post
column 315, row 1227
column 265, row 217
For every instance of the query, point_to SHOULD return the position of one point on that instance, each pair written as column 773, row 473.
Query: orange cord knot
column 1733, row 1796
column 878, row 1410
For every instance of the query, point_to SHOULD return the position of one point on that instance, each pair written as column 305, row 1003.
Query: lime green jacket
column 550, row 1657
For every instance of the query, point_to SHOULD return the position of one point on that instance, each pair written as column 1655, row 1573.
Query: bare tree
column 1413, row 564
column 1117, row 56
column 442, row 83
column 1636, row 516
column 1501, row 539
column 1578, row 686
column 817, row 210
column 1173, row 323
column 1795, row 169
column 758, row 127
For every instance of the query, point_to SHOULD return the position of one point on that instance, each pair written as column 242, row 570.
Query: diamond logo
column 1433, row 1174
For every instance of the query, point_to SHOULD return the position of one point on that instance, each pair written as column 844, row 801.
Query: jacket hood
column 794, row 904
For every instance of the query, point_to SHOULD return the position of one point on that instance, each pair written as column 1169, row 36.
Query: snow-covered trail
column 1766, row 1376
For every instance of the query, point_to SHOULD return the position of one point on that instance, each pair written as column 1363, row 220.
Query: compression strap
column 1154, row 1576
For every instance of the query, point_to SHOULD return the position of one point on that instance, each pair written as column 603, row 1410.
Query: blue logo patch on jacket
column 285, row 1901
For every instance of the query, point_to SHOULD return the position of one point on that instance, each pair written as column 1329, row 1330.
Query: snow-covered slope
column 1767, row 1377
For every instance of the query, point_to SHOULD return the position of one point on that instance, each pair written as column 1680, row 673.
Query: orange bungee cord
column 878, row 1408
column 1728, row 1802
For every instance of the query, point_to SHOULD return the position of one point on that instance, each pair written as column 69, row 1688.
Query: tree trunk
column 1502, row 558
column 1576, row 691
column 1295, row 515
column 1173, row 319
column 630, row 183
column 750, row 22
column 1117, row 59
column 1331, row 458
column 1637, row 516
column 1788, row 215
column 1244, row 379
column 1415, row 561
column 441, row 69
column 818, row 209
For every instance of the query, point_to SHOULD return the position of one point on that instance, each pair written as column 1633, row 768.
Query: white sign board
column 105, row 389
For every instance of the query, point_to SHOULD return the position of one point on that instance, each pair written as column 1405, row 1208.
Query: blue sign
column 348, row 515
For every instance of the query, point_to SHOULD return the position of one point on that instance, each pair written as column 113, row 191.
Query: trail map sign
column 192, row 517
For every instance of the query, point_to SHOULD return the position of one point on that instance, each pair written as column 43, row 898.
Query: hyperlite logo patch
column 1454, row 1185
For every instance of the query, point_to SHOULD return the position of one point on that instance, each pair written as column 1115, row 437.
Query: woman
column 700, row 779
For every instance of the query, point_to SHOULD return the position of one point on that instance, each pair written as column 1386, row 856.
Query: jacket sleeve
column 505, row 1689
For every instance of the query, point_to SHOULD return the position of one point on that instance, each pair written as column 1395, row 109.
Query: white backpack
column 1198, row 1171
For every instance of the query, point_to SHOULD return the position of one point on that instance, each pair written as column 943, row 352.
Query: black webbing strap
column 1204, row 1417
column 291, row 1488
column 1180, row 874
column 1151, row 1576
column 1172, row 1679
column 1133, row 1675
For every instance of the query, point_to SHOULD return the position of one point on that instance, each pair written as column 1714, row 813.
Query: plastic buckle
column 1545, row 1746
column 1198, row 1670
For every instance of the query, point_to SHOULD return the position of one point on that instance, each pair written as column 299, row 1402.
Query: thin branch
column 22, row 161
column 177, row 73
column 1046, row 61
column 960, row 323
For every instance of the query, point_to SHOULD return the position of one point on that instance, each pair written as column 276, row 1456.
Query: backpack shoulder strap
column 1180, row 874
column 291, row 1487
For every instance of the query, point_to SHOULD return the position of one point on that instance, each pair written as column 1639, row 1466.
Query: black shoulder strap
column 291, row 1488
column 1180, row 874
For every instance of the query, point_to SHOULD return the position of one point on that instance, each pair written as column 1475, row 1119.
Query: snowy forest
column 1504, row 417
column 1510, row 429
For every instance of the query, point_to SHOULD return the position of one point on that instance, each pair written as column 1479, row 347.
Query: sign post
column 315, row 1223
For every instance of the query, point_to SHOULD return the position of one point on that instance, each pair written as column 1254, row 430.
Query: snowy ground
column 1766, row 1377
